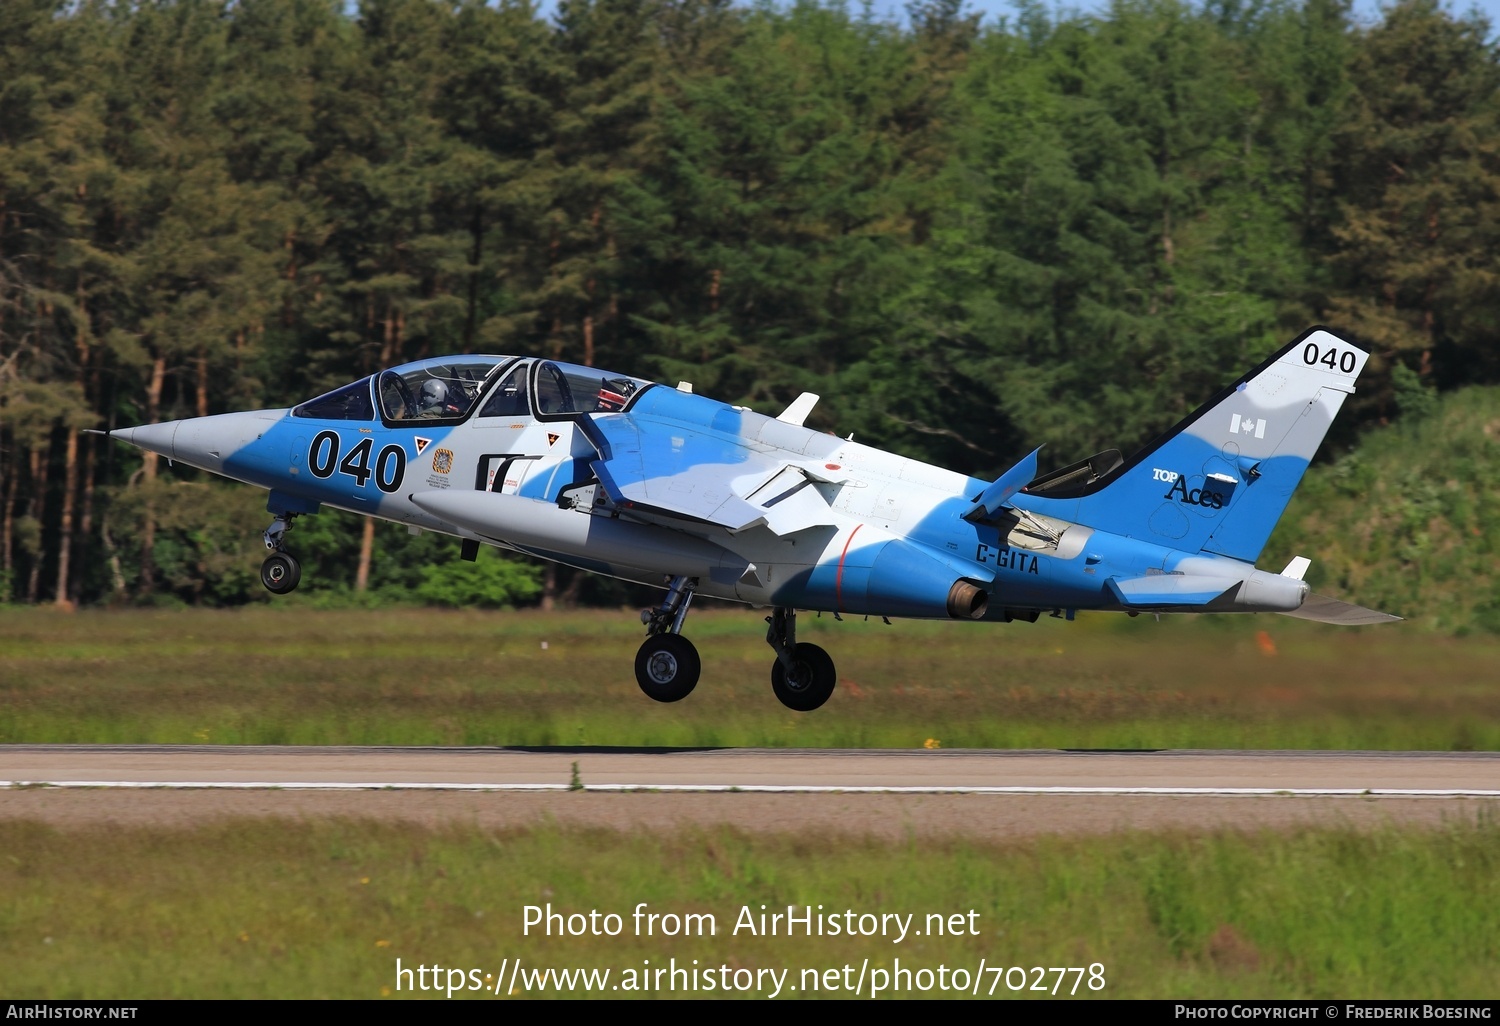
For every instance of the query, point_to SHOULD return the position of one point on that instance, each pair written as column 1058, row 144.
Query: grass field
column 412, row 676
column 294, row 909
column 298, row 908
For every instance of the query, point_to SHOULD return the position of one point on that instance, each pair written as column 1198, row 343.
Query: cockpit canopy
column 443, row 388
column 450, row 388
column 566, row 390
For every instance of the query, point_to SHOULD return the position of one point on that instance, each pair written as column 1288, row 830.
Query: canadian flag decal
column 1247, row 426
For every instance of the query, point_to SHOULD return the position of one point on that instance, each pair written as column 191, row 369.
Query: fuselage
column 827, row 523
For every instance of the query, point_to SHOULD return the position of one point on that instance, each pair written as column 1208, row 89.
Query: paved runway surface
column 885, row 795
column 1434, row 774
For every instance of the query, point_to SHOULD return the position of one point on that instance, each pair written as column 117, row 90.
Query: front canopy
column 442, row 388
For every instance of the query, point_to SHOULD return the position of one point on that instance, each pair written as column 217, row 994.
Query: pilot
column 434, row 402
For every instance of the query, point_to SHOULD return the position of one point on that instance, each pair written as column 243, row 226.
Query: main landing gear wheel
column 280, row 572
column 811, row 681
column 667, row 667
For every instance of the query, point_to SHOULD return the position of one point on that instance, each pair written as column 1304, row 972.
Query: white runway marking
column 1185, row 792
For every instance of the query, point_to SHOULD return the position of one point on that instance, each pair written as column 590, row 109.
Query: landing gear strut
column 667, row 665
column 281, row 571
column 803, row 676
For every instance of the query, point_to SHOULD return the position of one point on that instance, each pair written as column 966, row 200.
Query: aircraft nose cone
column 203, row 442
column 206, row 442
column 151, row 437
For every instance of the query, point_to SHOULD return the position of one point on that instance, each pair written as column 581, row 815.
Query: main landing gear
column 667, row 665
column 803, row 676
column 281, row 571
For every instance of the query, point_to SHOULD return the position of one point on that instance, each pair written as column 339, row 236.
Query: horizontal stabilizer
column 1323, row 609
column 1175, row 591
column 1006, row 485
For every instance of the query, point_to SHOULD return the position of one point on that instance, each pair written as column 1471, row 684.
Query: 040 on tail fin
column 1219, row 480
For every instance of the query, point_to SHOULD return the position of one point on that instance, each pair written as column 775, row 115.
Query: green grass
column 406, row 676
column 262, row 908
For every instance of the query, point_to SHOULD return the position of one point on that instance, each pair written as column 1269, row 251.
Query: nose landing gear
column 667, row 665
column 281, row 571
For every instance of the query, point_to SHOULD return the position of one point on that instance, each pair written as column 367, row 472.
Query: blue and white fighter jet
column 620, row 476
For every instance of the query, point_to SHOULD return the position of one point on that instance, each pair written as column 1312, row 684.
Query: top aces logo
column 1215, row 493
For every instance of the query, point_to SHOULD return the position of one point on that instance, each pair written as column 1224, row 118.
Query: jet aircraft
column 618, row 475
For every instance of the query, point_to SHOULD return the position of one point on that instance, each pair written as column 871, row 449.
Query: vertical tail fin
column 1220, row 479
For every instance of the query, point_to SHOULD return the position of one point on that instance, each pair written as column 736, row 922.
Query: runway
column 1166, row 773
column 961, row 795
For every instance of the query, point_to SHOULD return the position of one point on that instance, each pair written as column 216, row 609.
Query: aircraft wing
column 660, row 466
column 1323, row 609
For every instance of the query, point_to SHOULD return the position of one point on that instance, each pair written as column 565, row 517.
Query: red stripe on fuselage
column 838, row 579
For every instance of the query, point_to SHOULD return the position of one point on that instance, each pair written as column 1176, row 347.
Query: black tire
column 280, row 573
column 667, row 667
column 812, row 681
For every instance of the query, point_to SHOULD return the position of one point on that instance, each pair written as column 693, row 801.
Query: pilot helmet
column 433, row 394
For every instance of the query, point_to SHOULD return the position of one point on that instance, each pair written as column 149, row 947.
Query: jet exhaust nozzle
column 967, row 601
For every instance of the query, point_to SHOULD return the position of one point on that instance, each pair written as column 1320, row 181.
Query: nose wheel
column 281, row 571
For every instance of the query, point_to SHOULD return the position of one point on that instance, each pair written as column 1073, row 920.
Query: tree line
column 970, row 238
